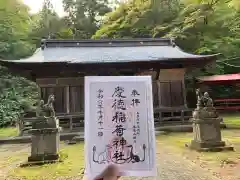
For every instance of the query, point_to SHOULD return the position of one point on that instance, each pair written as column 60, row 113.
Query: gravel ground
column 170, row 166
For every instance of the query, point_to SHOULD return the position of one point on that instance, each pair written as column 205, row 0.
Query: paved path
column 170, row 166
column 7, row 153
column 174, row 167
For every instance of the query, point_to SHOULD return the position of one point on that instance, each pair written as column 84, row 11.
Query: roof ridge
column 107, row 42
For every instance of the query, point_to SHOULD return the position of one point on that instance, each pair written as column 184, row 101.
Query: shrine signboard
column 119, row 125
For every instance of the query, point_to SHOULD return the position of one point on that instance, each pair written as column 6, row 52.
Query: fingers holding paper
column 110, row 173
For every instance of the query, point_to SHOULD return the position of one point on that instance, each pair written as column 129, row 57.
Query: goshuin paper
column 119, row 125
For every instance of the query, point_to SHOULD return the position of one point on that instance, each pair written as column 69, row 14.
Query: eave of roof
column 110, row 51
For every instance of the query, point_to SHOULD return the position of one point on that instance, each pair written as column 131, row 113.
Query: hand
column 110, row 173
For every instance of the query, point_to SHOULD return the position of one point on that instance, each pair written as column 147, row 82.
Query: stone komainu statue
column 205, row 107
column 46, row 110
column 46, row 114
column 207, row 100
column 204, row 100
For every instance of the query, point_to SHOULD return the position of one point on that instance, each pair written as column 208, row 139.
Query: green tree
column 17, row 96
column 84, row 16
column 202, row 28
column 138, row 18
column 46, row 24
column 16, row 93
column 199, row 26
column 14, row 30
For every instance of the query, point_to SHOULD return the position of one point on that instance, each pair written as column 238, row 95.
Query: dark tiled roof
column 108, row 51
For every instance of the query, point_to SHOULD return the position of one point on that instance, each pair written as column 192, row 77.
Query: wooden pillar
column 67, row 96
column 159, row 93
column 184, row 93
column 71, row 124
column 33, row 77
column 182, row 116
column 159, row 96
column 159, row 100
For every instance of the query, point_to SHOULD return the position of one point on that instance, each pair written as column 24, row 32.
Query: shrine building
column 59, row 67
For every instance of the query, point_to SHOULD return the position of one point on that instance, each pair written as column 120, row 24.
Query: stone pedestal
column 42, row 123
column 45, row 144
column 207, row 132
column 45, row 141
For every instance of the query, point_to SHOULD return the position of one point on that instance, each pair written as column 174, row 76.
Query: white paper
column 119, row 125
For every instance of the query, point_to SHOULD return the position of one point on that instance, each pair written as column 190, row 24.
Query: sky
column 36, row 5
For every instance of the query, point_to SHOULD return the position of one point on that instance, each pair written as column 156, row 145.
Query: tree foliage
column 17, row 94
column 47, row 24
column 14, row 30
column 84, row 16
column 199, row 26
column 138, row 18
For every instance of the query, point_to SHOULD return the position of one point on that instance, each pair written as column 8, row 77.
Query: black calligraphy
column 119, row 107
column 119, row 143
column 119, row 92
column 119, row 104
column 138, row 123
column 135, row 100
column 119, row 117
column 136, row 128
column 119, row 130
column 100, row 111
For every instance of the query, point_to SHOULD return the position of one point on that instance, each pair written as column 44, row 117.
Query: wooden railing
column 172, row 115
column 68, row 122
column 74, row 122
column 227, row 104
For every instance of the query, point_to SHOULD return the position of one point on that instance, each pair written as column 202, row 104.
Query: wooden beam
column 60, row 82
